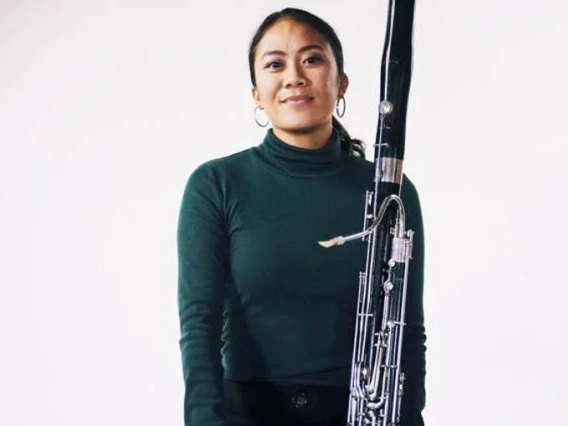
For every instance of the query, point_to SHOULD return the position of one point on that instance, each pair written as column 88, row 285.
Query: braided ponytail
column 354, row 147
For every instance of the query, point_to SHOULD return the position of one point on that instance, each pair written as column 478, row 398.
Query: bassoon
column 377, row 380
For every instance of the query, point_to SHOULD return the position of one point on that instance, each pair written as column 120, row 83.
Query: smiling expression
column 297, row 81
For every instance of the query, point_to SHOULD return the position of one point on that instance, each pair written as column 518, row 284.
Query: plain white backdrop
column 107, row 106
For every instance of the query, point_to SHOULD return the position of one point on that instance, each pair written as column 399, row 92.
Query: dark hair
column 354, row 147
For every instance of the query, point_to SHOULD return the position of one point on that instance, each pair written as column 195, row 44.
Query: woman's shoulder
column 408, row 188
column 209, row 180
column 412, row 205
column 219, row 164
column 221, row 167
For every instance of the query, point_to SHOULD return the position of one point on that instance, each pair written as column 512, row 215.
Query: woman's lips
column 297, row 100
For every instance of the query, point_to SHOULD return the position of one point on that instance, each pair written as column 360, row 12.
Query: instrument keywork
column 377, row 380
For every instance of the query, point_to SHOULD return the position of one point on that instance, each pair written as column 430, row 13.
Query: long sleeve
column 414, row 348
column 202, row 270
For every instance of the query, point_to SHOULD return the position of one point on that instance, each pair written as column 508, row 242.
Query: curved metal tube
column 340, row 240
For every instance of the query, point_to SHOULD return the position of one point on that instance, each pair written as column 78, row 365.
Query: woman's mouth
column 298, row 100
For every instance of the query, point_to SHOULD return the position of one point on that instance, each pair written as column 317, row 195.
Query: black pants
column 269, row 404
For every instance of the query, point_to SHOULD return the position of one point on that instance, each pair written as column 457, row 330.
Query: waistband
column 257, row 403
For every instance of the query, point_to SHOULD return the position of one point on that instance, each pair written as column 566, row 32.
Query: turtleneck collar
column 295, row 161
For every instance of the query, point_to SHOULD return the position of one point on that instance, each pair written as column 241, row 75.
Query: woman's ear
column 343, row 85
column 256, row 96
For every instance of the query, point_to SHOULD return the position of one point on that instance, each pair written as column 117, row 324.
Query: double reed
column 377, row 381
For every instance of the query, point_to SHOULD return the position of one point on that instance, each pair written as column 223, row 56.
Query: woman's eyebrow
column 303, row 49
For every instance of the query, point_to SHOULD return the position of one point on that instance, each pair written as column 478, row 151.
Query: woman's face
column 297, row 81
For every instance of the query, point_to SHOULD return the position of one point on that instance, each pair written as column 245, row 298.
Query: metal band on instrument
column 391, row 170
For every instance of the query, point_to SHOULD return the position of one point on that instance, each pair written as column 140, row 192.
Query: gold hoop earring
column 258, row 108
column 341, row 101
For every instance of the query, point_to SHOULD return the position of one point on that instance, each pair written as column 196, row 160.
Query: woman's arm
column 202, row 269
column 414, row 343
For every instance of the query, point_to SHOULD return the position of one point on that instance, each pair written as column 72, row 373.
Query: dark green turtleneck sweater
column 259, row 299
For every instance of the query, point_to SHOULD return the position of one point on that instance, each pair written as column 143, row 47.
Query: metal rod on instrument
column 339, row 240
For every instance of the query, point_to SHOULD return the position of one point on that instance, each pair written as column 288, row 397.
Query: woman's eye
column 313, row 59
column 273, row 64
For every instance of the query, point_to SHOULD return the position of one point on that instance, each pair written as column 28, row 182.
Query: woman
column 266, row 314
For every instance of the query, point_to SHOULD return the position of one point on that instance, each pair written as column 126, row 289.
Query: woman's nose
column 294, row 77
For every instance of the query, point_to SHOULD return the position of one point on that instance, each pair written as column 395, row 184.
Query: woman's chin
column 302, row 126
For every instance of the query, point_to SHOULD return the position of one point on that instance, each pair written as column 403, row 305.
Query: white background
column 107, row 106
